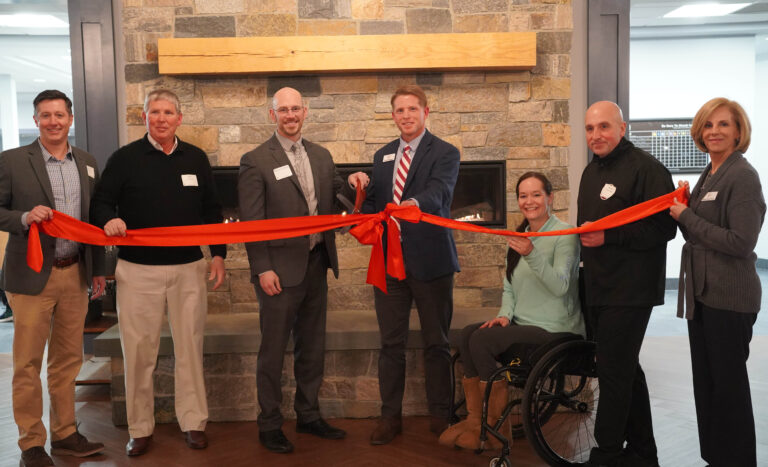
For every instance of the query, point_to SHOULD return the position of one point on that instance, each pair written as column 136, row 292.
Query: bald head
column 605, row 126
column 288, row 111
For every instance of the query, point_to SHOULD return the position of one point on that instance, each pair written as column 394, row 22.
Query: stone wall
column 519, row 117
column 350, row 387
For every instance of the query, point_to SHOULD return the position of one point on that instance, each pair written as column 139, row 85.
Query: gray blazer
column 721, row 226
column 263, row 196
column 24, row 184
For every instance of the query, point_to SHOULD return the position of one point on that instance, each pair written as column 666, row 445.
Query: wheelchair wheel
column 499, row 462
column 560, row 402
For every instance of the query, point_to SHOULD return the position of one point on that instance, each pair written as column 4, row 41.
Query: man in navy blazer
column 430, row 259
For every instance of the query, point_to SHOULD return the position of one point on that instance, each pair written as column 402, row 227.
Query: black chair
column 558, row 396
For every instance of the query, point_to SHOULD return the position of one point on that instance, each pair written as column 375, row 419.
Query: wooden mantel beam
column 340, row 54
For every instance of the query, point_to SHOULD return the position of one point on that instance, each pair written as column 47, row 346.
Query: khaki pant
column 56, row 315
column 143, row 291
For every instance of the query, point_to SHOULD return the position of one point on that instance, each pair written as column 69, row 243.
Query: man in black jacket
column 161, row 181
column 624, row 276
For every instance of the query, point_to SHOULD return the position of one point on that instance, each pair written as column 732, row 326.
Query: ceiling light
column 705, row 9
column 28, row 20
column 38, row 80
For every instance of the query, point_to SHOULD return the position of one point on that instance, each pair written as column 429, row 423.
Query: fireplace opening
column 479, row 196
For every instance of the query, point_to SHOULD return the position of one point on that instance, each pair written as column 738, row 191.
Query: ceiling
column 37, row 58
column 34, row 54
column 647, row 21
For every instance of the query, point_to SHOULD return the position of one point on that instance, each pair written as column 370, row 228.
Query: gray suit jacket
column 24, row 184
column 721, row 226
column 263, row 196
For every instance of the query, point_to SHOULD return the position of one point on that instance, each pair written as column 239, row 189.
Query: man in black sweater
column 624, row 276
column 160, row 181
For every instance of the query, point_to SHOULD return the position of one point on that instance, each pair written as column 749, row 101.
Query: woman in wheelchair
column 541, row 297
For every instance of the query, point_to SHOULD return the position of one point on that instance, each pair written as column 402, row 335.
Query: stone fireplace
column 514, row 119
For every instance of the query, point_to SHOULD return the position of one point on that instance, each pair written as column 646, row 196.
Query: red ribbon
column 368, row 230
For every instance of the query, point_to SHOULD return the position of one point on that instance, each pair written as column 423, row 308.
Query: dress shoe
column 386, row 430
column 35, row 457
column 320, row 428
column 196, row 439
column 75, row 445
column 138, row 446
column 275, row 441
column 437, row 425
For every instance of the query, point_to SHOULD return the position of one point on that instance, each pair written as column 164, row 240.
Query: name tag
column 388, row 158
column 283, row 172
column 91, row 171
column 710, row 196
column 607, row 191
column 189, row 180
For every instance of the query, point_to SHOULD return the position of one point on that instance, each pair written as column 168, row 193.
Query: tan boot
column 474, row 400
column 497, row 401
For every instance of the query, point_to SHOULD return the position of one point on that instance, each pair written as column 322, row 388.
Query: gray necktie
column 303, row 172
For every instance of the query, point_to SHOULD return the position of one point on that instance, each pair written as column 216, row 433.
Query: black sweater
column 630, row 268
column 143, row 187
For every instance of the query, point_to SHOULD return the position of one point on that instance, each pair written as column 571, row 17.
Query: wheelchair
column 555, row 395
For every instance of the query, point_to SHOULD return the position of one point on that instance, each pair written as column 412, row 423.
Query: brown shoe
column 196, row 439
column 138, row 446
column 75, row 445
column 437, row 425
column 386, row 430
column 35, row 457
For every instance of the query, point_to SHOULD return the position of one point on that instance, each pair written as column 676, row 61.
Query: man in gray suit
column 288, row 176
column 50, row 305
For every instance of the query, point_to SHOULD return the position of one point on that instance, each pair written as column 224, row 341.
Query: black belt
column 64, row 262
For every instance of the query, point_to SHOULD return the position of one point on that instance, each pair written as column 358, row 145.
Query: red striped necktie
column 402, row 175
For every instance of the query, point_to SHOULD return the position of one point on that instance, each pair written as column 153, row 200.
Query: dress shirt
column 414, row 144
column 159, row 146
column 65, row 184
column 303, row 170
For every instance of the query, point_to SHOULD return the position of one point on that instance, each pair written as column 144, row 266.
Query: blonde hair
column 739, row 117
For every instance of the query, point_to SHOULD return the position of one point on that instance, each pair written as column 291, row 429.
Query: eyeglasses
column 284, row 110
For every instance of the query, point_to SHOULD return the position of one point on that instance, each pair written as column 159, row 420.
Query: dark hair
column 50, row 95
column 513, row 257
column 409, row 90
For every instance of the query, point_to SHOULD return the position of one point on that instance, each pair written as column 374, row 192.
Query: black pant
column 624, row 410
column 301, row 310
column 719, row 350
column 480, row 348
column 434, row 303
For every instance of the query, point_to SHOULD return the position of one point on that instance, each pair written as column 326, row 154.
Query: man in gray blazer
column 51, row 305
column 288, row 176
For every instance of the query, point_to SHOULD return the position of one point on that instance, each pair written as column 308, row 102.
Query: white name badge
column 189, row 180
column 388, row 158
column 710, row 196
column 283, row 172
column 607, row 191
column 91, row 171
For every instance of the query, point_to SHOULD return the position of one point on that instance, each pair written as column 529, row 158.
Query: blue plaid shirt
column 65, row 182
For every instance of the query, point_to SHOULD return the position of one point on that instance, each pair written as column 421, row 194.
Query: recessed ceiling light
column 29, row 20
column 705, row 9
column 38, row 80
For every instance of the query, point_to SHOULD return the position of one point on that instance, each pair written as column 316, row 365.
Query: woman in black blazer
column 719, row 282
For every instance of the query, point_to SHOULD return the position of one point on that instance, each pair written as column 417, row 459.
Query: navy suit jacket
column 429, row 251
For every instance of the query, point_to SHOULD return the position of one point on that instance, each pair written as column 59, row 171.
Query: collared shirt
column 303, row 169
column 159, row 146
column 65, row 183
column 414, row 144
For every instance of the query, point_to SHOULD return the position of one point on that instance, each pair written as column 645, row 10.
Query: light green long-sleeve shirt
column 544, row 290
